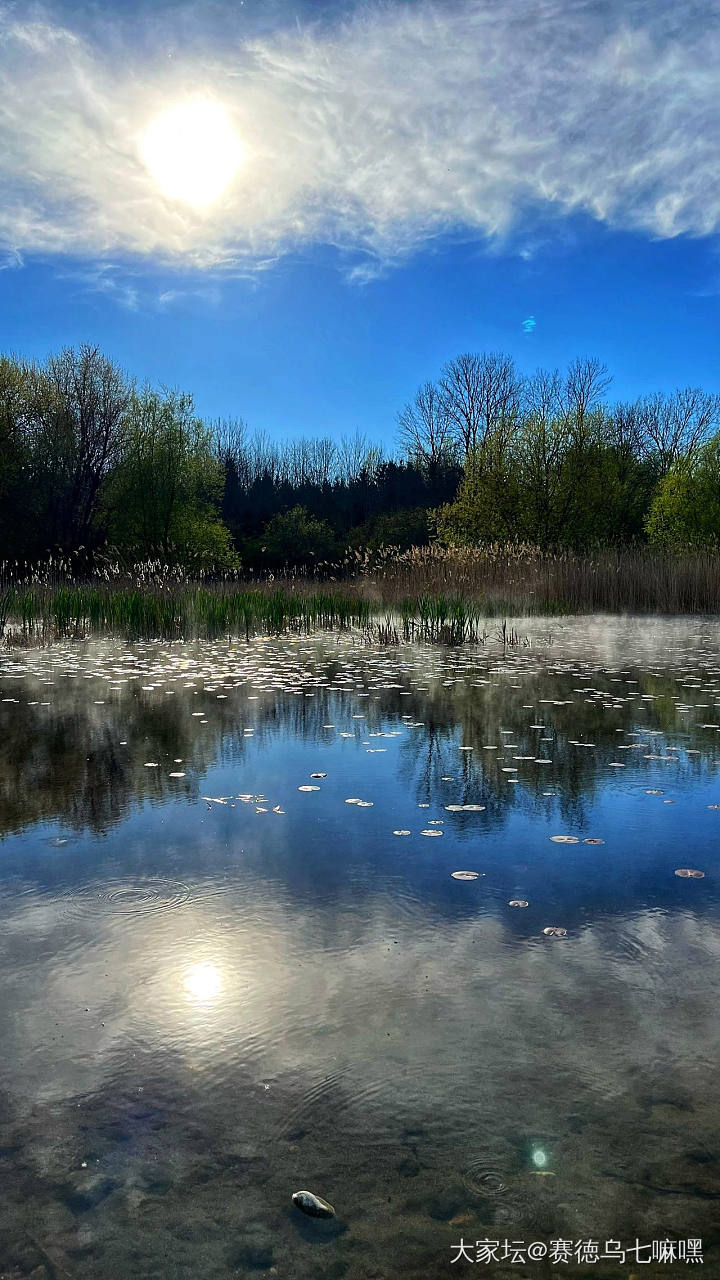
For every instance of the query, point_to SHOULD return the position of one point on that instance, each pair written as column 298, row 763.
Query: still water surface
column 224, row 979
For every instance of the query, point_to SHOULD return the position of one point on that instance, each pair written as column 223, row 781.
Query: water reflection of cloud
column 624, row 1000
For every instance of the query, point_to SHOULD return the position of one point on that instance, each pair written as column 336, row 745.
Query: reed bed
column 178, row 611
column 513, row 580
column 433, row 594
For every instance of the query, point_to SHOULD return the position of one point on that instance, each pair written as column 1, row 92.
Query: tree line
column 90, row 460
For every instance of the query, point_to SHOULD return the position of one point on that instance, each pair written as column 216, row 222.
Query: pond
column 237, row 961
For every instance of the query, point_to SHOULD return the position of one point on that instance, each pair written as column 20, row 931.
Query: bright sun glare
column 203, row 982
column 192, row 152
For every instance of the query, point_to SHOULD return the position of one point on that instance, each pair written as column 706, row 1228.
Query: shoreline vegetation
column 427, row 594
column 508, row 494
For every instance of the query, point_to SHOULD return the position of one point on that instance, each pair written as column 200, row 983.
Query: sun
column 192, row 152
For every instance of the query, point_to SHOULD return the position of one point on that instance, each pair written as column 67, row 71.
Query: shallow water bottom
column 220, row 987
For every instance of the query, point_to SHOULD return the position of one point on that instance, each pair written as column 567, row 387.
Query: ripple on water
column 340, row 1100
column 627, row 944
column 127, row 896
column 484, row 1179
column 365, row 1102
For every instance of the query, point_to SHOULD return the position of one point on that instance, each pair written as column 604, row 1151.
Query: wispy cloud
column 210, row 295
column 10, row 259
column 398, row 124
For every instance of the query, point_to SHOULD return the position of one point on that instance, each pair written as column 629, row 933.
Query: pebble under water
column 224, row 977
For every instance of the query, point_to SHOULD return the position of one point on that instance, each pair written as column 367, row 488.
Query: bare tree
column 673, row 427
column 543, row 395
column 501, row 392
column 230, row 440
column 264, row 458
column 624, row 428
column 571, row 398
column 322, row 460
column 425, row 426
column 460, row 386
column 481, row 395
column 586, row 382
column 357, row 457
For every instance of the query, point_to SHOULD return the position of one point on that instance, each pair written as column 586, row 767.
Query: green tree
column 163, row 496
column 405, row 528
column 16, row 521
column 77, row 404
column 487, row 507
column 296, row 537
column 685, row 510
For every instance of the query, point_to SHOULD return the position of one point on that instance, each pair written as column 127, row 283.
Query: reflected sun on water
column 202, row 983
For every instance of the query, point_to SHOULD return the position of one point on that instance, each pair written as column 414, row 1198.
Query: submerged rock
column 314, row 1205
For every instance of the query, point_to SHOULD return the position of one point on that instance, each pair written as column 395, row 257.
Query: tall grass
column 428, row 594
column 179, row 611
column 505, row 580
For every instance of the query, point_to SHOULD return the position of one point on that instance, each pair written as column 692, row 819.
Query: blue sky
column 417, row 180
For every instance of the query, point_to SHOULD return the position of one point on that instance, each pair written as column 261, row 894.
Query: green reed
column 428, row 594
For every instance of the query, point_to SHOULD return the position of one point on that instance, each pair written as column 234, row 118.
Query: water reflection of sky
column 325, row 985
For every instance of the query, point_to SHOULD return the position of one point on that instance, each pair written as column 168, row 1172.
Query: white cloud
column 391, row 128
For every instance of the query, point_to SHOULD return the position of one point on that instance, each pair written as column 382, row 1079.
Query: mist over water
column 219, row 988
